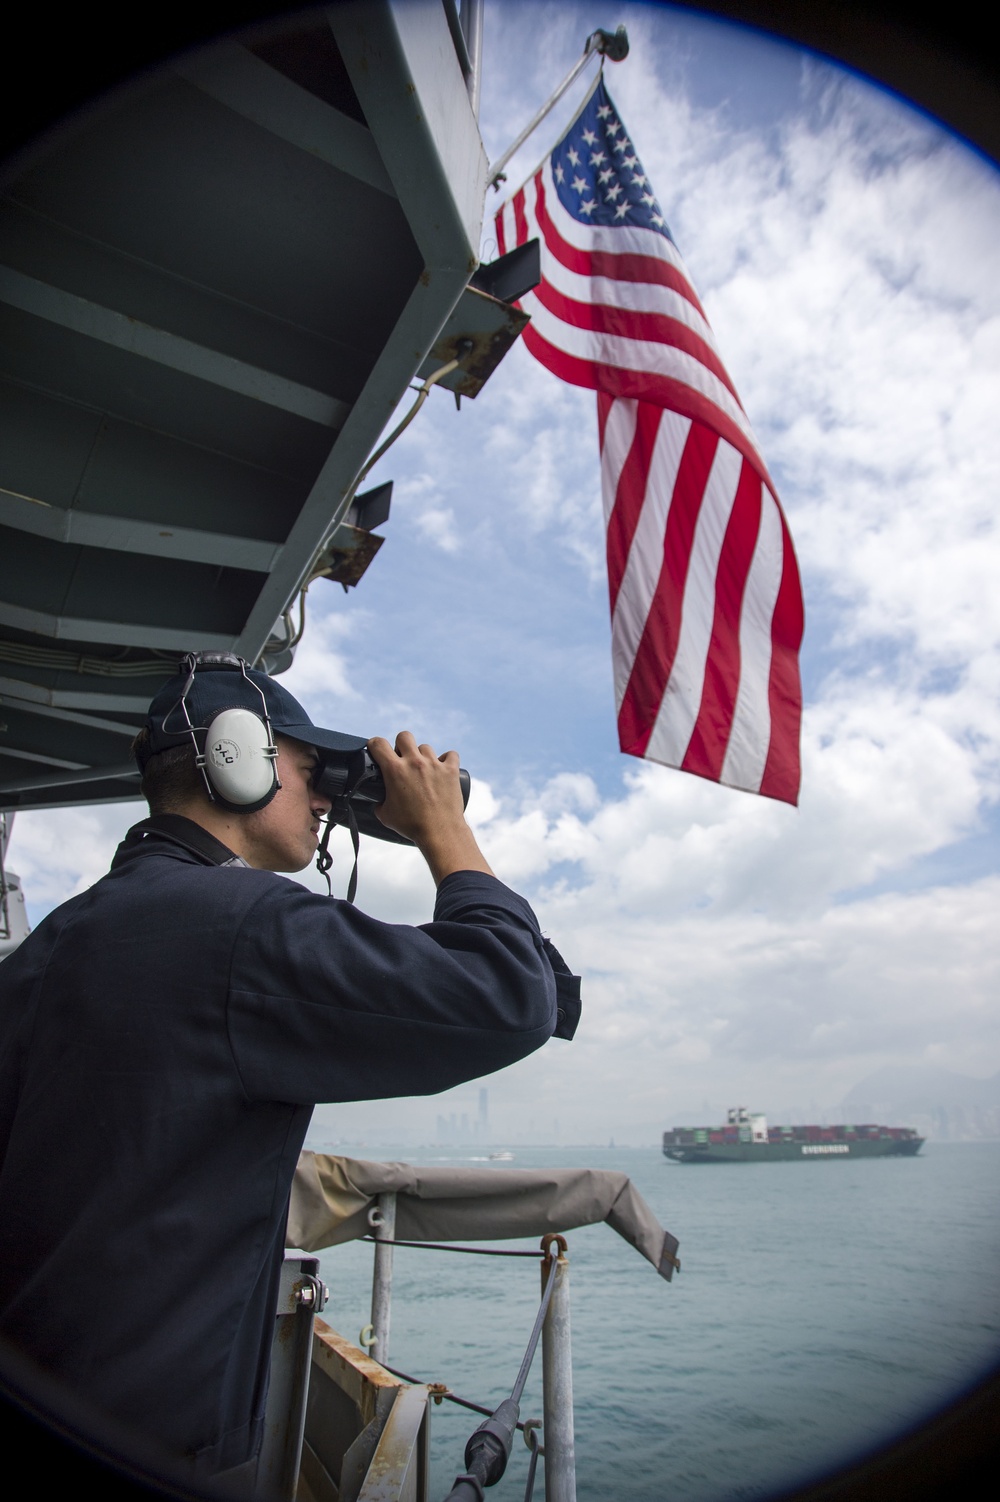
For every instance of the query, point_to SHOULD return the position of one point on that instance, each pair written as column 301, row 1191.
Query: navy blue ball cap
column 218, row 684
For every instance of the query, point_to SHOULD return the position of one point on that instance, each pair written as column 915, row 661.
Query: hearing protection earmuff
column 236, row 751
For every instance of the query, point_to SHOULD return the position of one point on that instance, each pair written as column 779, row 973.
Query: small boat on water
column 747, row 1138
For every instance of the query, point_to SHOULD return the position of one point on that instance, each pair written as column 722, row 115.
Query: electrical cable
column 26, row 655
column 423, row 392
column 529, row 1354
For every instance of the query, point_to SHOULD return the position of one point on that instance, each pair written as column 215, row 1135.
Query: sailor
column 165, row 1035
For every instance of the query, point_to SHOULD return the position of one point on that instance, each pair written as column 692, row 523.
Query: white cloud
column 60, row 852
column 437, row 523
column 320, row 666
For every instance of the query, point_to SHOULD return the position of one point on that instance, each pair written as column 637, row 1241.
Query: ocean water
column 822, row 1308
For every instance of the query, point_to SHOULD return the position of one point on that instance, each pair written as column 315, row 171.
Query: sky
column 733, row 949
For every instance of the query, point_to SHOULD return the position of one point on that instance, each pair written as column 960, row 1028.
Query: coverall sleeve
column 328, row 1004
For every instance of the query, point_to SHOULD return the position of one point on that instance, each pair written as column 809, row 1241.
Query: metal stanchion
column 557, row 1381
column 383, row 1223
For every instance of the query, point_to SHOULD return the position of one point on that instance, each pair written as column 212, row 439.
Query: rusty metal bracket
column 479, row 332
column 547, row 1241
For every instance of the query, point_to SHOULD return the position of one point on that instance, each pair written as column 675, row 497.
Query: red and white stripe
column 706, row 605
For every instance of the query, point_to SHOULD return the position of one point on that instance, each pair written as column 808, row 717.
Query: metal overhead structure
column 216, row 284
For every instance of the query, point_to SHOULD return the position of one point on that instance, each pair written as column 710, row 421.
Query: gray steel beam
column 30, row 783
column 69, row 717
column 403, row 67
column 128, row 535
column 115, row 278
column 36, row 756
column 50, row 737
column 96, row 322
column 113, row 633
column 236, row 78
column 426, row 131
column 471, row 16
column 327, row 503
column 66, row 705
column 399, row 1468
column 33, row 804
column 72, row 717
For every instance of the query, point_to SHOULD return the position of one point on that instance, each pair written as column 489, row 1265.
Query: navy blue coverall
column 163, row 1038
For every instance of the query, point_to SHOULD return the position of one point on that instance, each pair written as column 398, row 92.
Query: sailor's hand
column 423, row 800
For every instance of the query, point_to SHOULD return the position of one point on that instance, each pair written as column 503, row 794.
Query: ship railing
column 552, row 1322
column 343, row 1426
column 364, row 1426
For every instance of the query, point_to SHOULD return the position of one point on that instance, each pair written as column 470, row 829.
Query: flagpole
column 605, row 43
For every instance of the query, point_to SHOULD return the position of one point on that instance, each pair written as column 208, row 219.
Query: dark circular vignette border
column 944, row 60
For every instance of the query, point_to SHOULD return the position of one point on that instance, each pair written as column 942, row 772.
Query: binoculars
column 355, row 787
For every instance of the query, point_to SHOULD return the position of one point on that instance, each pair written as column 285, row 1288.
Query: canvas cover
column 331, row 1197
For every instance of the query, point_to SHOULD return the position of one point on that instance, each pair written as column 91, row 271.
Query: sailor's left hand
column 423, row 801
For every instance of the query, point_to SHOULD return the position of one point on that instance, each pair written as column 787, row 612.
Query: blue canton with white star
column 598, row 176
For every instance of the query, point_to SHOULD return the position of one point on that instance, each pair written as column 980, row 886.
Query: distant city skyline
column 940, row 1104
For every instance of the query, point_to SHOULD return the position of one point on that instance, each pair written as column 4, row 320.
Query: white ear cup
column 236, row 759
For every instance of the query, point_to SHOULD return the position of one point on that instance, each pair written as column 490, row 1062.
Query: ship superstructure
column 215, row 287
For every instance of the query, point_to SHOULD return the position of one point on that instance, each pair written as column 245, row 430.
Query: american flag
column 706, row 605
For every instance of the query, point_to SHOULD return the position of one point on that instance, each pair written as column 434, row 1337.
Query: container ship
column 747, row 1138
